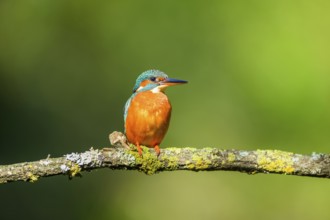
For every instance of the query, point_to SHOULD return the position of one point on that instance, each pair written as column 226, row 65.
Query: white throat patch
column 158, row 89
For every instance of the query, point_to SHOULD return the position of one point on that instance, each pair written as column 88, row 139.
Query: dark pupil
column 153, row 78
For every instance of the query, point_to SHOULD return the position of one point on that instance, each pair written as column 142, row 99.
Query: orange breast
column 148, row 118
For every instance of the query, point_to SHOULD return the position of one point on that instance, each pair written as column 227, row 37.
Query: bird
column 147, row 112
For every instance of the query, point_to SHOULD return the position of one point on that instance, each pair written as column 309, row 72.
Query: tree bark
column 121, row 157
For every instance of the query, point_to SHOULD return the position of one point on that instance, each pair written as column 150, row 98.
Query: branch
column 170, row 159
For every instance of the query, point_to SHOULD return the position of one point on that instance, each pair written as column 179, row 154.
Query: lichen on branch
column 124, row 157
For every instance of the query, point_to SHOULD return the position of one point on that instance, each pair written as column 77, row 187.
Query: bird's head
column 155, row 81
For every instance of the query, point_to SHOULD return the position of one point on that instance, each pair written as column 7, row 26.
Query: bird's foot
column 139, row 149
column 157, row 150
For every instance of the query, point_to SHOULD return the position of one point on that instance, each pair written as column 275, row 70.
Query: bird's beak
column 172, row 82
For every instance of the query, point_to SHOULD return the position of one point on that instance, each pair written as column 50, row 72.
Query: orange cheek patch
column 144, row 83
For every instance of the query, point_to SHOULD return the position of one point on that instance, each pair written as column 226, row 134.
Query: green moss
column 32, row 178
column 171, row 162
column 132, row 146
column 231, row 157
column 148, row 163
column 74, row 170
column 275, row 161
column 189, row 165
column 200, row 162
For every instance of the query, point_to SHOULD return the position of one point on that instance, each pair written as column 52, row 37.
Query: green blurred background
column 258, row 75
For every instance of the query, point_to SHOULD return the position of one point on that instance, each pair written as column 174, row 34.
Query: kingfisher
column 147, row 112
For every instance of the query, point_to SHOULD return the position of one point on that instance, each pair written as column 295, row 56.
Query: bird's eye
column 153, row 78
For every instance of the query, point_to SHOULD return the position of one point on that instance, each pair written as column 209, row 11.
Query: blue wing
column 126, row 108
